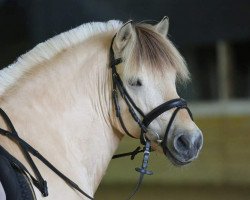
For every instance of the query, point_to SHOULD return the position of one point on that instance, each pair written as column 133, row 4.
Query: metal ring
column 155, row 133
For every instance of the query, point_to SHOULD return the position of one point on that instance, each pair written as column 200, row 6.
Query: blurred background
column 214, row 37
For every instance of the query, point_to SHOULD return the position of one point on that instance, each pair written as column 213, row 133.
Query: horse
column 61, row 100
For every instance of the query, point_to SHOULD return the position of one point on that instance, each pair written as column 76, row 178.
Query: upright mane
column 50, row 48
column 149, row 47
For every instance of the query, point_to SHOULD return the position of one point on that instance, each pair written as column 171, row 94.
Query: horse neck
column 63, row 107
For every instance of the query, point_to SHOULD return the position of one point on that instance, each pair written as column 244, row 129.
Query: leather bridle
column 143, row 120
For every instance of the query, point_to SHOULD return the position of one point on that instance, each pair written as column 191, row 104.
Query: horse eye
column 135, row 83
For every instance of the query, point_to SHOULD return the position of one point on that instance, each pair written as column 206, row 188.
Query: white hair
column 50, row 48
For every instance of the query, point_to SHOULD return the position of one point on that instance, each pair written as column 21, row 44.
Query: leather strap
column 119, row 87
column 39, row 182
column 174, row 103
column 177, row 103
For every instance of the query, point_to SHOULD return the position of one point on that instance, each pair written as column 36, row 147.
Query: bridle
column 145, row 119
column 143, row 122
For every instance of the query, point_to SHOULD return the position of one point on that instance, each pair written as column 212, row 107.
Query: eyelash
column 135, row 83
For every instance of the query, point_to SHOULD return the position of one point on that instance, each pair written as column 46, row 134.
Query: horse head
column 149, row 68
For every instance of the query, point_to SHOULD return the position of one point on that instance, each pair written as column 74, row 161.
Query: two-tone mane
column 152, row 50
column 50, row 48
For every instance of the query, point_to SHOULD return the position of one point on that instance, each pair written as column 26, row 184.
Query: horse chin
column 175, row 159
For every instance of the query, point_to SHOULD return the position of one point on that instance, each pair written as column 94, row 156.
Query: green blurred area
column 222, row 170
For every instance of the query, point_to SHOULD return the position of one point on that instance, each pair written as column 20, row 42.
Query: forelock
column 152, row 50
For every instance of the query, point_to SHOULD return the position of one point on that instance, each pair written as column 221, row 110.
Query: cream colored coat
column 58, row 96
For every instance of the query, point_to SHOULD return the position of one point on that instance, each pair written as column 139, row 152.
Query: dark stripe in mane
column 156, row 51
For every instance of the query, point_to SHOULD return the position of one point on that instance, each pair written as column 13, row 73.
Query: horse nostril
column 182, row 143
column 188, row 143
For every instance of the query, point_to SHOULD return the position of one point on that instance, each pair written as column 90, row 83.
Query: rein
column 38, row 181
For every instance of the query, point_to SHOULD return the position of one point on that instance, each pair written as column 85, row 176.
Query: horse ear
column 123, row 35
column 162, row 26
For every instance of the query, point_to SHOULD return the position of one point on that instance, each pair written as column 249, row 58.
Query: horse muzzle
column 183, row 148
